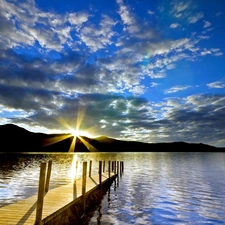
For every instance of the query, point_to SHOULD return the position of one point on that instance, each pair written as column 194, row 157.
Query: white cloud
column 196, row 18
column 154, row 84
column 216, row 84
column 98, row 37
column 135, row 27
column 206, row 24
column 218, row 54
column 125, row 14
column 174, row 25
column 176, row 89
column 151, row 12
column 216, row 51
column 212, row 51
column 170, row 66
column 138, row 90
column 180, row 6
column 28, row 24
column 179, row 9
column 205, row 52
column 78, row 18
column 203, row 37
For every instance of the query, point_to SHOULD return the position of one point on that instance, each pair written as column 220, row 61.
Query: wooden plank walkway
column 24, row 212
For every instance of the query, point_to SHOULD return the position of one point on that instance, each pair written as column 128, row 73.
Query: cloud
column 190, row 115
column 125, row 14
column 174, row 25
column 69, row 70
column 216, row 84
column 24, row 26
column 195, row 18
column 180, row 6
column 206, row 24
column 134, row 26
column 176, row 89
column 212, row 51
column 98, row 37
column 120, row 117
column 78, row 19
column 10, row 37
column 151, row 12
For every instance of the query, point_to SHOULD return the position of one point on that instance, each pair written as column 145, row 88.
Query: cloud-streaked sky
column 150, row 71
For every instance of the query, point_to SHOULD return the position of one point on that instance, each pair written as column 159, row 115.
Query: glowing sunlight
column 75, row 132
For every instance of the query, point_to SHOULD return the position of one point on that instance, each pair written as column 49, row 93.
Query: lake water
column 155, row 188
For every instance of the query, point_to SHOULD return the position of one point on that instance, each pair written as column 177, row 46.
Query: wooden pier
column 63, row 204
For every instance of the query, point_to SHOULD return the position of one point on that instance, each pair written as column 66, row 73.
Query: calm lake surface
column 155, row 188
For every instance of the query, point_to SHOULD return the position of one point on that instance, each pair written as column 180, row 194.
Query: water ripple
column 162, row 189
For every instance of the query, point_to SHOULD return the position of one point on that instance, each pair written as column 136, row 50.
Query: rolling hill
column 17, row 139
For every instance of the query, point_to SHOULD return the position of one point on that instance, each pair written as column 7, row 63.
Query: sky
column 149, row 71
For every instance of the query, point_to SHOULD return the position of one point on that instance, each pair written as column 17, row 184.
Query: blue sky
column 150, row 71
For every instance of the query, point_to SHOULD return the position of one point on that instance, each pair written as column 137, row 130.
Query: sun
column 75, row 132
column 78, row 133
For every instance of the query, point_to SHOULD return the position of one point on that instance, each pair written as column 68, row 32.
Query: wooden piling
column 48, row 175
column 74, row 181
column 109, row 168
column 114, row 167
column 103, row 167
column 84, row 177
column 90, row 167
column 100, row 172
column 117, row 171
column 41, row 193
column 121, row 167
column 84, row 181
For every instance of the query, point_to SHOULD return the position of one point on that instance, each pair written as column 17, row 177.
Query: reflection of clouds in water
column 106, row 220
column 169, row 188
column 18, row 178
column 142, row 220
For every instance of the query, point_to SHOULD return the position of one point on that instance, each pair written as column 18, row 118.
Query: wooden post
column 90, row 167
column 100, row 172
column 75, row 181
column 84, row 181
column 48, row 175
column 103, row 166
column 109, row 168
column 117, row 168
column 84, row 177
column 41, row 189
column 112, row 166
column 121, row 168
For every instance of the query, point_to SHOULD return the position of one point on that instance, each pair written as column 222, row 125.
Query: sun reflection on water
column 75, row 169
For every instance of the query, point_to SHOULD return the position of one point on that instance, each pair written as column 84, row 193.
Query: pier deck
column 24, row 211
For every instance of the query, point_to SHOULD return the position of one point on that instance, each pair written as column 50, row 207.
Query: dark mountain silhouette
column 16, row 139
column 112, row 145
